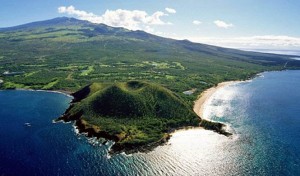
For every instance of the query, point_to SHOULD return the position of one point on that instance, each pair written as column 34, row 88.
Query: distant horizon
column 231, row 24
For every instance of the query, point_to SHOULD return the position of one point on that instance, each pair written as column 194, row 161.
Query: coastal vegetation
column 129, row 86
column 136, row 115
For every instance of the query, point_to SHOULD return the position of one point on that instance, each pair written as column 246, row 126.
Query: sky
column 246, row 24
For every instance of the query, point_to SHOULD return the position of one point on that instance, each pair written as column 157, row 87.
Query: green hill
column 136, row 115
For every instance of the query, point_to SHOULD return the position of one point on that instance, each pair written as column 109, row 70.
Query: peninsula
column 136, row 115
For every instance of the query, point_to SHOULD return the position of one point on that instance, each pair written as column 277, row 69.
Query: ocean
column 262, row 114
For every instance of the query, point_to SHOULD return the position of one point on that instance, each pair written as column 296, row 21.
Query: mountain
column 67, row 54
column 89, row 29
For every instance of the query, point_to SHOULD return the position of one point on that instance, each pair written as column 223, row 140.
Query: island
column 136, row 115
column 165, row 76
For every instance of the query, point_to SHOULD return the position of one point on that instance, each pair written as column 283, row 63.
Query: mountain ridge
column 44, row 23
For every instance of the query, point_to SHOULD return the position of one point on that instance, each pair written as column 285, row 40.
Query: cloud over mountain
column 130, row 19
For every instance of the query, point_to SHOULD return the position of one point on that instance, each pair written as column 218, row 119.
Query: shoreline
column 64, row 92
column 82, row 127
column 205, row 95
column 90, row 131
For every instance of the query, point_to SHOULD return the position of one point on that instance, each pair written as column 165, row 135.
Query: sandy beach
column 204, row 96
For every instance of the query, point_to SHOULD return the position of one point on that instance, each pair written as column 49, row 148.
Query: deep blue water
column 264, row 115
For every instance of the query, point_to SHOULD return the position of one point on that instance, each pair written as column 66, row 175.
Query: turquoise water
column 263, row 114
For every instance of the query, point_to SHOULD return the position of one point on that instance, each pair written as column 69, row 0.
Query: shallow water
column 263, row 114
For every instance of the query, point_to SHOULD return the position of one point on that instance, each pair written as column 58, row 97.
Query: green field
column 67, row 54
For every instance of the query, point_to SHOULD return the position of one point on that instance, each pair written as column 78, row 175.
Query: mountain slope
column 67, row 54
column 90, row 30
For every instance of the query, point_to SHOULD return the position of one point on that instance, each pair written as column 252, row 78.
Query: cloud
column 273, row 40
column 170, row 10
column 196, row 22
column 223, row 24
column 130, row 19
column 263, row 41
